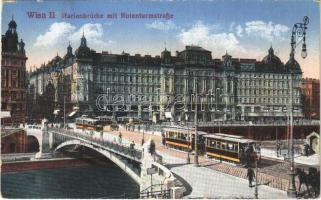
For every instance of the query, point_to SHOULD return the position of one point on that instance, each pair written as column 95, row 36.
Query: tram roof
column 86, row 118
column 104, row 117
column 227, row 137
column 181, row 129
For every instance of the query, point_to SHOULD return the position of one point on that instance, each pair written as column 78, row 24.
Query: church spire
column 69, row 49
column 83, row 40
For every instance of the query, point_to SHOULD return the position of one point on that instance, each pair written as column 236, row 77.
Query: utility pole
column 256, row 192
column 196, row 124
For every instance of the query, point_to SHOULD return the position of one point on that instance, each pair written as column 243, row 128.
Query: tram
column 108, row 123
column 87, row 123
column 182, row 138
column 232, row 148
column 105, row 120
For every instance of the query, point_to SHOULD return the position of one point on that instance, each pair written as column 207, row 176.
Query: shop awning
column 56, row 112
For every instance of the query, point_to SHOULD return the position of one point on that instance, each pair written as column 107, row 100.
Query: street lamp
column 298, row 31
column 218, row 90
column 196, row 124
column 189, row 139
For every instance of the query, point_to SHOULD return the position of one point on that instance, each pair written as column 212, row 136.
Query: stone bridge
column 137, row 163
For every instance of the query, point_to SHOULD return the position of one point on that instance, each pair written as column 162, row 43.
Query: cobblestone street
column 273, row 173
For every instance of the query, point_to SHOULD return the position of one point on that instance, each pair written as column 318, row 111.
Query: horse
column 314, row 180
column 303, row 178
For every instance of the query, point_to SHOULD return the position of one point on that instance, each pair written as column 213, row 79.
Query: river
column 91, row 181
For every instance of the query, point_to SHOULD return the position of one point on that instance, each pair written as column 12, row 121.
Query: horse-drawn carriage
column 311, row 180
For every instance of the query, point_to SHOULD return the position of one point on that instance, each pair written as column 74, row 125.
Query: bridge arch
column 122, row 164
column 36, row 133
column 32, row 144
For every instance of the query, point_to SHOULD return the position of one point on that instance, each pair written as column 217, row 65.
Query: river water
column 90, row 181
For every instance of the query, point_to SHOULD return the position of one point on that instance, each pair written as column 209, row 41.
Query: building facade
column 13, row 76
column 164, row 87
column 311, row 98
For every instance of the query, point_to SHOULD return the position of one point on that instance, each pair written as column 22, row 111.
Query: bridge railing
column 118, row 147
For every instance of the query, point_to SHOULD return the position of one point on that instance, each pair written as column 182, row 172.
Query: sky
column 243, row 28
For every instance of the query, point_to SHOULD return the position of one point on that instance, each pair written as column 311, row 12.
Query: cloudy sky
column 245, row 29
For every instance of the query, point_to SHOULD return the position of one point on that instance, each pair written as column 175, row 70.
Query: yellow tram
column 182, row 138
column 87, row 123
column 227, row 147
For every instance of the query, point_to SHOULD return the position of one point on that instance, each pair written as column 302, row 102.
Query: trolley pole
column 196, row 124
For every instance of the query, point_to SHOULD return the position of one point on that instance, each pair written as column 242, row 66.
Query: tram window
column 171, row 134
column 183, row 136
column 174, row 135
column 223, row 146
column 230, row 147
column 236, row 147
column 218, row 145
column 213, row 144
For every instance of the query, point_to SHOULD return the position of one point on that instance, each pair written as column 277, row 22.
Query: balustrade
column 119, row 148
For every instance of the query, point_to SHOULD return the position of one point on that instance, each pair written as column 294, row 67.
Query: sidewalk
column 313, row 160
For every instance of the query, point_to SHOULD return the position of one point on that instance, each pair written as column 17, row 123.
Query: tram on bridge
column 182, row 138
column 231, row 148
column 90, row 124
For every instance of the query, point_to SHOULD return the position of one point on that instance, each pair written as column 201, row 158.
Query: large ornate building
column 164, row 87
column 311, row 98
column 13, row 76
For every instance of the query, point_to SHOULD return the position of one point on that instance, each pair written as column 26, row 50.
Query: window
column 12, row 148
column 218, row 145
column 223, row 146
column 230, row 147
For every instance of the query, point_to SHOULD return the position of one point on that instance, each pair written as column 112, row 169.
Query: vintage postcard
column 160, row 99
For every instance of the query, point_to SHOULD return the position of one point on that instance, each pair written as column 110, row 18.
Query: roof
column 227, row 137
column 184, row 130
column 86, row 118
column 195, row 48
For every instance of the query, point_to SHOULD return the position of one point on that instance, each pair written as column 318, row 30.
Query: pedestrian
column 306, row 149
column 163, row 139
column 250, row 175
column 132, row 148
column 278, row 153
column 259, row 151
column 120, row 137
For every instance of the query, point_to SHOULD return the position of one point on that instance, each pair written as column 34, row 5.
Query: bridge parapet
column 120, row 149
column 156, row 179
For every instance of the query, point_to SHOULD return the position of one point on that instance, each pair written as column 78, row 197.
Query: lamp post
column 196, row 124
column 216, row 91
column 189, row 138
column 298, row 31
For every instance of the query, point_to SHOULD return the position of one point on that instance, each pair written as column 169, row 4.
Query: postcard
column 160, row 99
